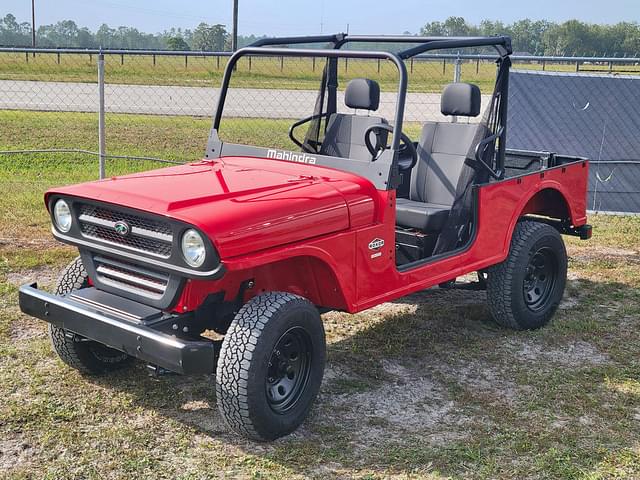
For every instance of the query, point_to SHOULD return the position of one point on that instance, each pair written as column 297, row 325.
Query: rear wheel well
column 549, row 203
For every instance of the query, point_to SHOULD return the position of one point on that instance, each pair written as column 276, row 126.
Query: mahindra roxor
column 254, row 242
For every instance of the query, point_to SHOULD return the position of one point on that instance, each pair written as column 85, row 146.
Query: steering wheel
column 407, row 148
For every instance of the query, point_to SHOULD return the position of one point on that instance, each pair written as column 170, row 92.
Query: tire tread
column 501, row 276
column 232, row 373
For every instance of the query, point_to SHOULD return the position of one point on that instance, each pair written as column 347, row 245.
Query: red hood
column 244, row 204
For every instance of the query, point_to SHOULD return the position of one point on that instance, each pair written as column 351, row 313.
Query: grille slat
column 150, row 236
column 132, row 278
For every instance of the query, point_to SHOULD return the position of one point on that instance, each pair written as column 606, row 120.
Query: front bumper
column 113, row 326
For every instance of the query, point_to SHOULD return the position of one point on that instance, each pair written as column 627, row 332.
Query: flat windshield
column 268, row 94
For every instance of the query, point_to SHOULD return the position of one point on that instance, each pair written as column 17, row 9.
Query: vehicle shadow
column 427, row 370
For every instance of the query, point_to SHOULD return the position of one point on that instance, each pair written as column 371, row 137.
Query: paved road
column 197, row 101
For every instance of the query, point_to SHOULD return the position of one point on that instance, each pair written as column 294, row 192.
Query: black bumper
column 105, row 325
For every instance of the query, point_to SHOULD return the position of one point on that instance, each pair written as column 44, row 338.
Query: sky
column 297, row 17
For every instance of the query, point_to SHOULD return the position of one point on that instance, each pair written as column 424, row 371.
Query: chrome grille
column 150, row 236
column 132, row 278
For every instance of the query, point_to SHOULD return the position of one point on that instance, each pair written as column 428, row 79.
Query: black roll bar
column 501, row 43
column 263, row 42
column 320, row 53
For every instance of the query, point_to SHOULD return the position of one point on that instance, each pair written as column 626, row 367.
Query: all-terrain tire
column 525, row 290
column 253, row 351
column 84, row 355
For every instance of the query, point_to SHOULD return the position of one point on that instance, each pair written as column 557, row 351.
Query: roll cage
column 385, row 174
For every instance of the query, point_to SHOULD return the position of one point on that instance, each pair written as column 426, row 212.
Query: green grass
column 424, row 387
column 292, row 73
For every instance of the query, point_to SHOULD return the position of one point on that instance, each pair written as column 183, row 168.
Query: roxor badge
column 376, row 244
column 122, row 228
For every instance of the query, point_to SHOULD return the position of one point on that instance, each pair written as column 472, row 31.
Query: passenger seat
column 442, row 151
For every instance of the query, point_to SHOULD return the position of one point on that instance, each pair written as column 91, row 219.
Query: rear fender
column 559, row 193
column 550, row 199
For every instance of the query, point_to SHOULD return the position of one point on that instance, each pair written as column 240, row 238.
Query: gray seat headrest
column 461, row 99
column 362, row 93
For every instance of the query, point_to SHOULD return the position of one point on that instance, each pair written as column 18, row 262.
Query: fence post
column 101, row 125
column 378, row 65
column 58, row 58
column 281, row 64
column 122, row 59
column 610, row 67
column 313, row 63
column 249, row 62
column 577, row 66
column 26, row 56
column 154, row 60
column 217, row 62
column 411, row 65
column 186, row 61
column 444, row 66
column 457, row 70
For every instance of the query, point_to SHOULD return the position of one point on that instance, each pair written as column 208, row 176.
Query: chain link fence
column 157, row 108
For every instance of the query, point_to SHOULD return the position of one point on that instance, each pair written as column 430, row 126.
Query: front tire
column 271, row 366
column 78, row 352
column 525, row 290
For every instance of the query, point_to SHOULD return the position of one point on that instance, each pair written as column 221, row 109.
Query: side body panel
column 355, row 269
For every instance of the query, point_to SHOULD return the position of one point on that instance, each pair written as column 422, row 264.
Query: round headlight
column 62, row 216
column 193, row 248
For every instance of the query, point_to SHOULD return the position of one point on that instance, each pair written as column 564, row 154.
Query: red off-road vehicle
column 253, row 242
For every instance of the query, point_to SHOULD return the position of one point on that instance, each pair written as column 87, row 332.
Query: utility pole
column 234, row 33
column 33, row 23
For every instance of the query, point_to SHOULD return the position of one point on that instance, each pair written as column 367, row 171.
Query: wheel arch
column 547, row 200
column 306, row 275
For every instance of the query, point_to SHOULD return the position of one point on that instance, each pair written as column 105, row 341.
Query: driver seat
column 442, row 152
column 344, row 136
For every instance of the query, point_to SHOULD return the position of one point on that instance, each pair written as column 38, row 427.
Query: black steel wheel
column 289, row 369
column 270, row 366
column 525, row 290
column 540, row 279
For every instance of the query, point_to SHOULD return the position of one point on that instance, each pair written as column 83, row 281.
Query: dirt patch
column 45, row 276
column 575, row 354
column 412, row 404
column 600, row 253
column 14, row 452
column 40, row 243
column 26, row 328
column 571, row 294
column 483, row 379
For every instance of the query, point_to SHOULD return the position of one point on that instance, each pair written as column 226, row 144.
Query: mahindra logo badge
column 291, row 156
column 376, row 244
column 122, row 228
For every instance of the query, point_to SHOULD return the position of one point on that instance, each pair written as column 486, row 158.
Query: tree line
column 541, row 37
column 535, row 37
column 67, row 34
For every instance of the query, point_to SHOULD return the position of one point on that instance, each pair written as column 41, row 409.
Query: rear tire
column 525, row 290
column 78, row 352
column 271, row 365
